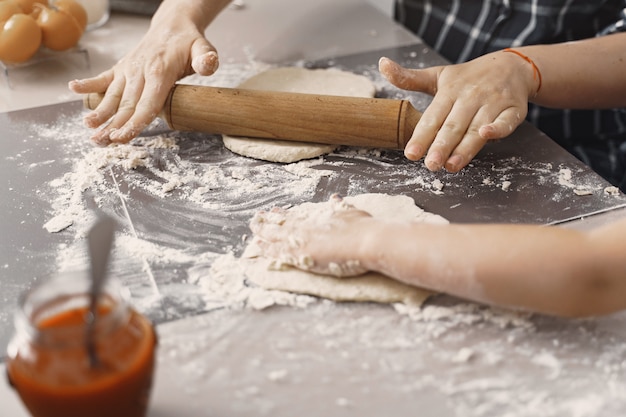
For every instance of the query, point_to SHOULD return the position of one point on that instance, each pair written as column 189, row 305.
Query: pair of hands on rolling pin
column 473, row 102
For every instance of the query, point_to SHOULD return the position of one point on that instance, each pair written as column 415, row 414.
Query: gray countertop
column 235, row 350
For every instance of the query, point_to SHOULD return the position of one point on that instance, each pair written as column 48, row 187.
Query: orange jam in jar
column 48, row 360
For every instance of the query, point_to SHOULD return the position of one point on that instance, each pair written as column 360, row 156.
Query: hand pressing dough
column 372, row 286
column 297, row 80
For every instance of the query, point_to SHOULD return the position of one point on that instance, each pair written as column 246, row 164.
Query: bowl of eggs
column 29, row 26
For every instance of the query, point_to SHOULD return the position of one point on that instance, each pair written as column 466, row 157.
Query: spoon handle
column 100, row 240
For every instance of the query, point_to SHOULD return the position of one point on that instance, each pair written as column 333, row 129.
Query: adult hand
column 324, row 240
column 474, row 102
column 135, row 89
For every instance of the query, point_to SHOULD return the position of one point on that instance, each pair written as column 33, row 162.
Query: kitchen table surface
column 230, row 349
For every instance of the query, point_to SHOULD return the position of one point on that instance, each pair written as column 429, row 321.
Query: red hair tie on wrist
column 536, row 72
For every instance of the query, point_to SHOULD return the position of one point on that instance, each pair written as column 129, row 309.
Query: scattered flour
column 203, row 274
column 58, row 223
column 566, row 179
column 278, row 375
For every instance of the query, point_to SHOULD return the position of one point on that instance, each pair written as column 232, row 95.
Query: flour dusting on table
column 183, row 202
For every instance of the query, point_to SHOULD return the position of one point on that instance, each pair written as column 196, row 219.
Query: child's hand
column 324, row 240
column 474, row 102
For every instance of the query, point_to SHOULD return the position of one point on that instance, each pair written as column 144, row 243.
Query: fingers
column 464, row 152
column 121, row 93
column 271, row 234
column 426, row 132
column 504, row 125
column 136, row 88
column 473, row 103
column 117, row 107
column 462, row 136
column 271, row 220
column 97, row 84
column 316, row 238
column 450, row 135
column 280, row 222
column 441, row 127
column 138, row 108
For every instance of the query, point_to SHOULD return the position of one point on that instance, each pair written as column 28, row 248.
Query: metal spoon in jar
column 100, row 240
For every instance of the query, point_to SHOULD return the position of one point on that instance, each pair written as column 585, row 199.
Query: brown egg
column 28, row 5
column 20, row 38
column 60, row 29
column 73, row 8
column 8, row 8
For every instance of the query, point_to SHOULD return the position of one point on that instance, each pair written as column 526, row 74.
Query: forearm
column 200, row 12
column 544, row 269
column 583, row 74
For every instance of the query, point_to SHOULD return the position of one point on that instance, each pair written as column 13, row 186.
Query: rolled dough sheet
column 297, row 80
column 276, row 150
column 372, row 286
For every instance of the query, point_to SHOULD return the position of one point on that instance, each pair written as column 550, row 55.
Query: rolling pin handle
column 334, row 120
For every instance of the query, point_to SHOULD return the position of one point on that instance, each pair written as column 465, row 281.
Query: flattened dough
column 297, row 80
column 373, row 287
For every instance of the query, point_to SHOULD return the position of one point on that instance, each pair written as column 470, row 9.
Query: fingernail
column 90, row 120
column 413, row 152
column 454, row 163
column 434, row 161
column 116, row 134
column 214, row 61
column 123, row 134
column 487, row 132
column 101, row 138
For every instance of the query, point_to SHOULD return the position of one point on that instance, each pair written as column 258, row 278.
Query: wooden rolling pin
column 371, row 122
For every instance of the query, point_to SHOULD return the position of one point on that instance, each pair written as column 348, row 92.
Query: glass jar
column 48, row 361
column 98, row 12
